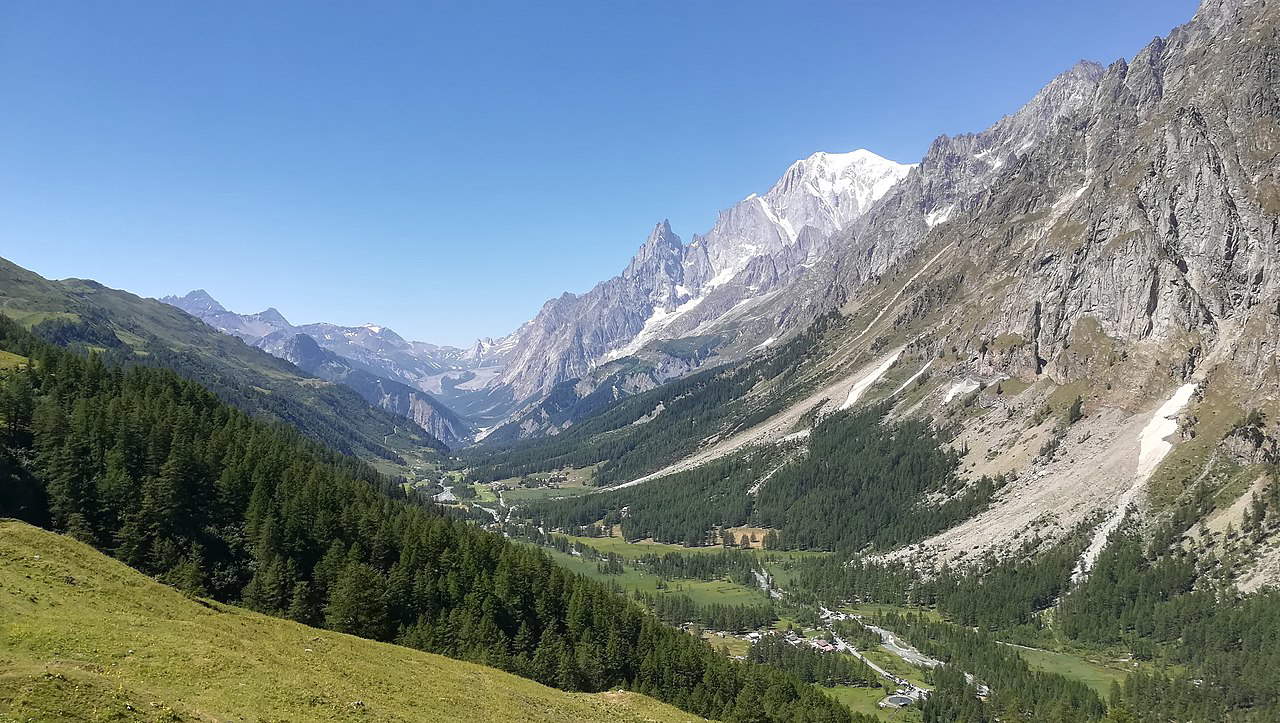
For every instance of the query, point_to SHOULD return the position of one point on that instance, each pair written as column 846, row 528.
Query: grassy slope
column 83, row 637
column 1091, row 674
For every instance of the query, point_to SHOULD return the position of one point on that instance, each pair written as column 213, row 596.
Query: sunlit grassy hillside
column 85, row 638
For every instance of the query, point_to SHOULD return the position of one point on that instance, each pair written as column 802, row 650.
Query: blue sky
column 444, row 168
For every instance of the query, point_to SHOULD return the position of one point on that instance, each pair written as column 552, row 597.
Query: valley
column 990, row 436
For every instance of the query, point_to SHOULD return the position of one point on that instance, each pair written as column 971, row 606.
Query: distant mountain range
column 134, row 330
column 386, row 370
column 820, row 240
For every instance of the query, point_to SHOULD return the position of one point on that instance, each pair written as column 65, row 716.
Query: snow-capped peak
column 826, row 192
column 372, row 327
column 859, row 176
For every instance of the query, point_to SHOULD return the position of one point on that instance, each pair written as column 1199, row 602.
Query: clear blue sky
column 443, row 168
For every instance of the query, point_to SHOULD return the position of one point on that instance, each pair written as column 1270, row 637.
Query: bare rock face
column 413, row 404
column 1129, row 254
column 1151, row 214
column 706, row 288
column 377, row 363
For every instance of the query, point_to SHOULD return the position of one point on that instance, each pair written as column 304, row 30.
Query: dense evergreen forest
column 862, row 482
column 158, row 472
column 1212, row 654
column 1017, row 692
column 810, row 665
column 865, row 482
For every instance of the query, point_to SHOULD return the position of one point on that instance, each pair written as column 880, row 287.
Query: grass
column 897, row 666
column 1215, row 416
column 633, row 550
column 873, row 609
column 734, row 646
column 1095, row 676
column 537, row 494
column 9, row 360
column 700, row 591
column 85, row 638
column 576, row 484
column 865, row 700
column 29, row 318
column 484, row 494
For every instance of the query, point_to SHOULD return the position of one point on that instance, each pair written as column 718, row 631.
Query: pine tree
column 357, row 603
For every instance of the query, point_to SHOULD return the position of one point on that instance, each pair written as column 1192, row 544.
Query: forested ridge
column 126, row 329
column 158, row 472
column 862, row 481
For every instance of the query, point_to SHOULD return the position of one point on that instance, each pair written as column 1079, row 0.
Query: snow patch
column 913, row 377
column 659, row 409
column 1162, row 424
column 760, row 482
column 659, row 320
column 1153, row 448
column 1064, row 203
column 964, row 386
column 863, row 384
column 781, row 223
column 765, row 344
column 939, row 216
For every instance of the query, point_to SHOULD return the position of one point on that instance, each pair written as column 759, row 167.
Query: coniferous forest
column 862, row 482
column 159, row 473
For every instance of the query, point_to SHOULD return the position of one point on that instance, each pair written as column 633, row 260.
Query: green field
column 633, row 550
column 537, row 494
column 734, row 646
column 701, row 592
column 577, row 484
column 85, row 638
column 897, row 666
column 9, row 360
column 30, row 318
column 873, row 609
column 865, row 700
column 1092, row 674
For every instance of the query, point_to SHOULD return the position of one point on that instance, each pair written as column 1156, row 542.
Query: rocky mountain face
column 388, row 371
column 1084, row 298
column 1091, row 310
column 696, row 293
column 249, row 327
column 1128, row 259
column 1148, row 214
column 424, row 410
column 772, row 263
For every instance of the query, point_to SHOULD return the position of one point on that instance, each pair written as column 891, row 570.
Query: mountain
column 84, row 313
column 769, row 267
column 248, row 327
column 424, row 410
column 387, row 371
column 1082, row 300
column 77, row 598
column 708, row 292
column 771, row 264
